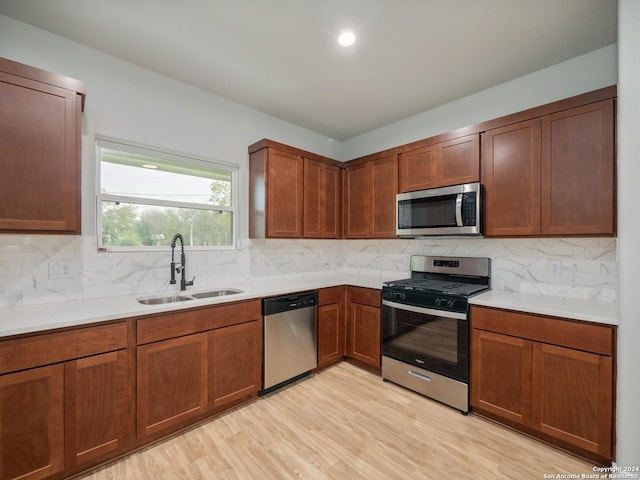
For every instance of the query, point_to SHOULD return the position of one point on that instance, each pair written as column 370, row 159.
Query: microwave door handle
column 459, row 210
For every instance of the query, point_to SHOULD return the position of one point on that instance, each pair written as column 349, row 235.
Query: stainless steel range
column 425, row 326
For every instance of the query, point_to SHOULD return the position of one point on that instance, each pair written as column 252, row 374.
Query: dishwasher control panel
column 285, row 303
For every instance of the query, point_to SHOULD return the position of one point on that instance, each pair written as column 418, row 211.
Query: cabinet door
column 511, row 176
column 331, row 333
column 364, row 334
column 235, row 363
column 40, row 156
column 358, row 195
column 322, row 191
column 31, row 423
column 578, row 171
column 98, row 407
column 172, row 382
column 284, row 194
column 501, row 375
column 384, row 189
column 458, row 161
column 572, row 397
column 417, row 169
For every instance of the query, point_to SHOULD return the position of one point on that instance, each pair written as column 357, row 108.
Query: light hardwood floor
column 345, row 423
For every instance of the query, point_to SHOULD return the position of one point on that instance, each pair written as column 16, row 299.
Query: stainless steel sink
column 164, row 299
column 216, row 293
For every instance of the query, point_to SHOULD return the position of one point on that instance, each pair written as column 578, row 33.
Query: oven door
column 434, row 340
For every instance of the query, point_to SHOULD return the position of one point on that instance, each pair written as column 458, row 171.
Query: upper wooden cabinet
column 370, row 190
column 578, row 162
column 322, row 213
column 442, row 164
column 547, row 171
column 552, row 175
column 292, row 193
column 40, row 129
column 511, row 178
column 275, row 194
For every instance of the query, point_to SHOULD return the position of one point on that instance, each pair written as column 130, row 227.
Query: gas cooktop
column 438, row 286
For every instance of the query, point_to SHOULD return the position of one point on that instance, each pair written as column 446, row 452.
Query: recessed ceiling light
column 346, row 39
column 148, row 165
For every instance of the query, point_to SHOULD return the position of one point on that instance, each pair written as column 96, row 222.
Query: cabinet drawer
column 37, row 350
column 177, row 324
column 364, row 296
column 327, row 296
column 557, row 331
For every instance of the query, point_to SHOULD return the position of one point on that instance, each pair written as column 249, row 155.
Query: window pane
column 126, row 224
column 142, row 176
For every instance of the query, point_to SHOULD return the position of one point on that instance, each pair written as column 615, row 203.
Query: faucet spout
column 181, row 269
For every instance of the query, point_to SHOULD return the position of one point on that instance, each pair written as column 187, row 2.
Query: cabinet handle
column 426, row 378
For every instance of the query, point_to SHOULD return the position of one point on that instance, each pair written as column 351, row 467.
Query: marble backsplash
column 567, row 267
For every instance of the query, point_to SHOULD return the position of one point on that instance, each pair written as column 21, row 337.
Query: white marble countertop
column 573, row 308
column 35, row 318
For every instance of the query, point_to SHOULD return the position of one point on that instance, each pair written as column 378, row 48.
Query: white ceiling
column 281, row 56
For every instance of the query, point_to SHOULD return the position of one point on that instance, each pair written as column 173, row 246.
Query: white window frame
column 173, row 156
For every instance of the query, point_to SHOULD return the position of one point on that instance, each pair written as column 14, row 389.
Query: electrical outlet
column 59, row 269
column 554, row 267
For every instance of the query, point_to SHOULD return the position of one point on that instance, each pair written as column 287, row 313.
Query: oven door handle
column 426, row 311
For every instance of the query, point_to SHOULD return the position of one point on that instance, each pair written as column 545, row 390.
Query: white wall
column 582, row 74
column 128, row 102
column 628, row 410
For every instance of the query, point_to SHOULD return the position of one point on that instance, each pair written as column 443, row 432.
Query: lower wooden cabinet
column 72, row 399
column 331, row 325
column 172, row 382
column 501, row 375
column 363, row 325
column 551, row 377
column 99, row 409
column 65, row 400
column 32, row 423
column 235, row 363
column 195, row 362
column 573, row 397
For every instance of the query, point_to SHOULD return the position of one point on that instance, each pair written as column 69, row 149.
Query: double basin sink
column 163, row 299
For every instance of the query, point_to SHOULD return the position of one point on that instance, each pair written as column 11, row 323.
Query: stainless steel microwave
column 440, row 211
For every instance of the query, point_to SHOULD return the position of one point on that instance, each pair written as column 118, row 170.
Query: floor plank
column 345, row 423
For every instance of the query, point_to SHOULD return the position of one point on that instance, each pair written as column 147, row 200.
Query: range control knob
column 400, row 295
column 450, row 303
column 438, row 301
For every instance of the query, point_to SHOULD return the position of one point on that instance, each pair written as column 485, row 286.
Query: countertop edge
column 563, row 307
column 24, row 320
column 18, row 321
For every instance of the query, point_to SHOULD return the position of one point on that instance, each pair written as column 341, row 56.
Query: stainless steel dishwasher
column 290, row 350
